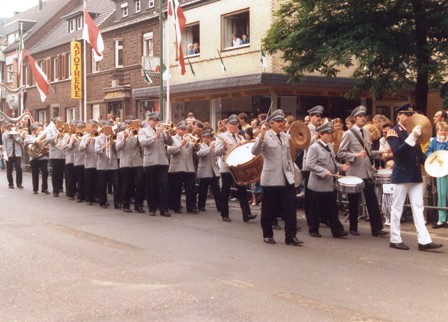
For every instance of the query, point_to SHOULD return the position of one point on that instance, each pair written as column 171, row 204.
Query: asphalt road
column 64, row 261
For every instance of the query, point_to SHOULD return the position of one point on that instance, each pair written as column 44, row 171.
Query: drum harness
column 361, row 141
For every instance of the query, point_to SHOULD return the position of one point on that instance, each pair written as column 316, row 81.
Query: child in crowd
column 388, row 193
column 437, row 143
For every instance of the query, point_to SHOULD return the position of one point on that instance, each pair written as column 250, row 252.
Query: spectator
column 245, row 39
column 190, row 49
column 243, row 118
column 190, row 118
column 236, row 41
column 196, row 48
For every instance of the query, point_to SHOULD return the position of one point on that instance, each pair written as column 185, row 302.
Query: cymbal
column 436, row 164
column 300, row 135
column 424, row 122
column 336, row 138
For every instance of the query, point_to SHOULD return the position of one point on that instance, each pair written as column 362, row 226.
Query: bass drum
column 244, row 166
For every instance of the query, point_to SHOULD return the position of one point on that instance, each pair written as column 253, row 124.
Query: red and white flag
column 92, row 35
column 40, row 78
column 175, row 10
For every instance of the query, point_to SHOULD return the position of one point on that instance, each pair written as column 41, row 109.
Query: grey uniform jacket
column 207, row 162
column 69, row 151
column 350, row 146
column 52, row 139
column 220, row 151
column 88, row 146
column 79, row 156
column 102, row 161
column 31, row 139
column 154, row 152
column 128, row 151
column 8, row 144
column 181, row 158
column 313, row 140
column 278, row 167
column 320, row 161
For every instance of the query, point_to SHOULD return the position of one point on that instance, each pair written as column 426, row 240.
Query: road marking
column 239, row 284
column 84, row 235
column 127, row 285
column 336, row 312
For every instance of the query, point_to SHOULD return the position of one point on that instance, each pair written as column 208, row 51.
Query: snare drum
column 383, row 176
column 350, row 184
column 244, row 166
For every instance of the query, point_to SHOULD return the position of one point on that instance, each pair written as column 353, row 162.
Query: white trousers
column 415, row 192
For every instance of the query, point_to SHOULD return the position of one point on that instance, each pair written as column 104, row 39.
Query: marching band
column 157, row 161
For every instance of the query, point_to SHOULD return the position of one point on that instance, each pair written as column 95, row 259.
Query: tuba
column 40, row 149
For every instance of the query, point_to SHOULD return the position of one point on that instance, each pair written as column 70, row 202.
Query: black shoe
column 380, row 233
column 79, row 200
column 139, row 210
column 118, row 206
column 165, row 214
column 127, row 210
column 56, row 195
column 276, row 227
column 152, row 213
column 103, row 206
column 246, row 219
column 202, row 209
column 178, row 211
column 71, row 198
column 20, row 186
column 226, row 219
column 354, row 232
column 11, row 187
column 315, row 234
column 89, row 203
column 46, row 192
column 269, row 240
column 193, row 211
column 35, row 192
column 400, row 246
column 437, row 226
column 340, row 234
column 429, row 246
column 293, row 242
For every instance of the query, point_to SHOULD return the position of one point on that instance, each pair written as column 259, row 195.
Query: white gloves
column 413, row 136
column 417, row 131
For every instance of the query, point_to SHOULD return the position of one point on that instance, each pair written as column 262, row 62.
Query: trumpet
column 167, row 126
column 132, row 132
column 191, row 139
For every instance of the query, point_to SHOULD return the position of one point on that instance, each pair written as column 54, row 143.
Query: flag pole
column 161, row 57
column 84, row 76
column 21, row 69
column 168, row 107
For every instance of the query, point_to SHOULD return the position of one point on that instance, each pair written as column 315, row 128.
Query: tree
column 390, row 44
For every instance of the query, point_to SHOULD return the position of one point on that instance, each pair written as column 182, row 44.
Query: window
column 234, row 26
column 95, row 64
column 68, row 66
column 9, row 74
column 56, row 73
column 71, row 114
column 42, row 116
column 148, row 44
column 118, row 53
column 190, row 40
column 124, row 9
column 137, row 6
column 79, row 22
column 150, row 4
column 71, row 25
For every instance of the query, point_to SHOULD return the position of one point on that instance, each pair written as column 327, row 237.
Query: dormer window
column 150, row 4
column 75, row 23
column 138, row 6
column 124, row 9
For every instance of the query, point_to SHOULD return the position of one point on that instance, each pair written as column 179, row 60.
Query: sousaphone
column 425, row 123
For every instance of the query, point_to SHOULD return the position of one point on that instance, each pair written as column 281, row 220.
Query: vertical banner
column 76, row 69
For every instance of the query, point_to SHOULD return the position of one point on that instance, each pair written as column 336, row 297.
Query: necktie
column 279, row 137
column 234, row 137
column 362, row 133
